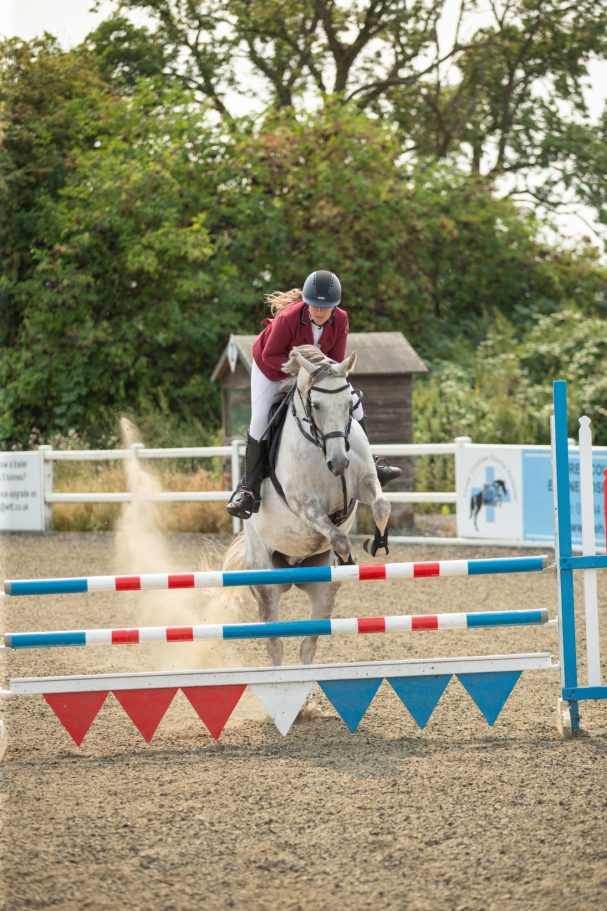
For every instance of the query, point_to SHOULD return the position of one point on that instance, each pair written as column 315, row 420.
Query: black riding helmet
column 322, row 289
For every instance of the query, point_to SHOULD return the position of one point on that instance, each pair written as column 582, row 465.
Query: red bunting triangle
column 146, row 708
column 76, row 711
column 214, row 704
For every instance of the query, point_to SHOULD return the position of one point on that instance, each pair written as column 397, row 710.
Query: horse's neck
column 292, row 437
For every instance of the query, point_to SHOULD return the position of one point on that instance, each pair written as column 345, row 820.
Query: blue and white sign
column 505, row 493
column 489, row 486
column 538, row 519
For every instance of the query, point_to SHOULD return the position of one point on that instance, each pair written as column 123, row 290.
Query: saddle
column 273, row 435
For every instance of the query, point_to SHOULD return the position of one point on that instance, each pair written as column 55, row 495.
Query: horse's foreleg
column 370, row 493
column 311, row 512
column 268, row 600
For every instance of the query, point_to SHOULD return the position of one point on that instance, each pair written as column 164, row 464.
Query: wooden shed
column 385, row 366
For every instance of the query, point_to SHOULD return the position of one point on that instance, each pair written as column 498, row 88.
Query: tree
column 153, row 231
column 506, row 98
column 51, row 103
column 110, row 308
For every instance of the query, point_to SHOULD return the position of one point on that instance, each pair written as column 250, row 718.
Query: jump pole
column 333, row 627
column 289, row 576
column 294, row 673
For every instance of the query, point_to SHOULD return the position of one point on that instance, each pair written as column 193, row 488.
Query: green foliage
column 502, row 392
column 502, row 93
column 138, row 231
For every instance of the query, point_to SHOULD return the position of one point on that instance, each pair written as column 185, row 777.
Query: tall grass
column 110, row 477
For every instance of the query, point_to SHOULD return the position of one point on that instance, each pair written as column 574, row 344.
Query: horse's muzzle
column 337, row 465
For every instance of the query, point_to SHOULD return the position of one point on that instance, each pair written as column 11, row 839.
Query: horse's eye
column 315, row 405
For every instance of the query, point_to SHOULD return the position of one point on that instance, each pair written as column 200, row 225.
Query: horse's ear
column 305, row 363
column 347, row 366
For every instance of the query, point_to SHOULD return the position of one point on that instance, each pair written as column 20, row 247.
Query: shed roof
column 377, row 353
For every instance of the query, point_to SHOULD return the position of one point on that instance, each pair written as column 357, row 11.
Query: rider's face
column 320, row 315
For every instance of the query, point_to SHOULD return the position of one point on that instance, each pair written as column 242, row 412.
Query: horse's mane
column 312, row 354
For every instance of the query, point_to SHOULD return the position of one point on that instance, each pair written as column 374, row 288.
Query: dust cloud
column 142, row 547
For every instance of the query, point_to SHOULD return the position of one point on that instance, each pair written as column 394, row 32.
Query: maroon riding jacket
column 292, row 327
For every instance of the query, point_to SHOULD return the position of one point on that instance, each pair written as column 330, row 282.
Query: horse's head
column 326, row 397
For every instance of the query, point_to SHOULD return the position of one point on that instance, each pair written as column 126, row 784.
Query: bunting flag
column 351, row 698
column 214, row 704
column 350, row 688
column 282, row 701
column 490, row 691
column 76, row 711
column 420, row 695
column 146, row 708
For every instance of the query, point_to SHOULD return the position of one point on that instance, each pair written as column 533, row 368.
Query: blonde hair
column 278, row 300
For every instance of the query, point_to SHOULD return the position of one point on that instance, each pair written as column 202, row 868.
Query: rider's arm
column 278, row 344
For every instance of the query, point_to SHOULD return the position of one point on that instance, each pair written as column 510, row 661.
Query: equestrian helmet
column 322, row 289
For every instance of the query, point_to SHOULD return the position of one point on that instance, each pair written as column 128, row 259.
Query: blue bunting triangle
column 350, row 698
column 489, row 691
column 420, row 695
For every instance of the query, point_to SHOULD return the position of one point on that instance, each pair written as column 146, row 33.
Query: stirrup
column 243, row 503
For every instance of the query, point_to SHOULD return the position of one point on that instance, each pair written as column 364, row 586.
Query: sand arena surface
column 459, row 817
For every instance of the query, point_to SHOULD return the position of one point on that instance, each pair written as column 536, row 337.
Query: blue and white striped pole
column 293, row 576
column 336, row 627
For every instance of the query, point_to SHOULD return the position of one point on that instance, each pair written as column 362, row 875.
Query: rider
column 311, row 316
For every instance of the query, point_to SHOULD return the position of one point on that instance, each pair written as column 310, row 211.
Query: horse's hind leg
column 268, row 601
column 322, row 599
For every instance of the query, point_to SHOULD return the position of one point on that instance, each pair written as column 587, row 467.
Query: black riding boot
column 246, row 498
column 385, row 472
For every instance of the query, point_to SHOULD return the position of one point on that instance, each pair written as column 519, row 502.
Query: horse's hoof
column 349, row 562
column 310, row 711
column 374, row 546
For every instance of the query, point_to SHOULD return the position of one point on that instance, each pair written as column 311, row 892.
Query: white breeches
column 264, row 393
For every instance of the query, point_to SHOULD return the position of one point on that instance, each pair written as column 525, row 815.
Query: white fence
column 234, row 452
column 502, row 493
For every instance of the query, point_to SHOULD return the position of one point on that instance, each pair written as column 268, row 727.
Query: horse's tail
column 234, row 555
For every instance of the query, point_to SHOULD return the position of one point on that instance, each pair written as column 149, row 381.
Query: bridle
column 316, row 435
column 319, row 439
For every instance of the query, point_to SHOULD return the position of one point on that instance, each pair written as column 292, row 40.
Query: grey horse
column 324, row 466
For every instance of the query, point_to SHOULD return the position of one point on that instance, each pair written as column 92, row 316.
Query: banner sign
column 21, row 500
column 505, row 493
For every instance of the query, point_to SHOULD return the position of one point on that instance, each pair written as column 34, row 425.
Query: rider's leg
column 246, row 498
column 385, row 472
